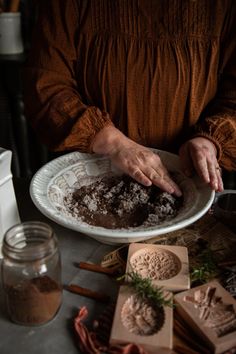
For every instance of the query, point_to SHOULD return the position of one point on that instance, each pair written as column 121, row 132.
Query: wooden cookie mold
column 210, row 310
column 130, row 324
column 166, row 266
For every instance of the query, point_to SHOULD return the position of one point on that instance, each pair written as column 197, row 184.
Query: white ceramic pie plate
column 61, row 176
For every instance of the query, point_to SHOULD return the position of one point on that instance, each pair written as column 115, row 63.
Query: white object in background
column 9, row 215
column 10, row 33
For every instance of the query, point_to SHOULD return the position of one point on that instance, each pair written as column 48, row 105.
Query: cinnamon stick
column 227, row 263
column 96, row 268
column 76, row 289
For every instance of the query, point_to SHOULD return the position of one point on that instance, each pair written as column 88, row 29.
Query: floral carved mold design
column 155, row 264
column 140, row 317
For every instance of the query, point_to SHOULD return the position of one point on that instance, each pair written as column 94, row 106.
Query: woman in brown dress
column 115, row 77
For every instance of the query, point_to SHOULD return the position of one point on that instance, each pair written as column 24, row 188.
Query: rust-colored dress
column 159, row 70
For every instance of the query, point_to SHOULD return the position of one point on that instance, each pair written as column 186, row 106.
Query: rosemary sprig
column 146, row 291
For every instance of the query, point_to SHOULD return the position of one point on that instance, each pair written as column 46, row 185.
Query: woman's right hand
column 134, row 159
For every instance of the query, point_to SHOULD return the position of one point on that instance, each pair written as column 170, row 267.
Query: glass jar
column 31, row 273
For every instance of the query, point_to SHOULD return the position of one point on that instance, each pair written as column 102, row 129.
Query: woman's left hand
column 200, row 155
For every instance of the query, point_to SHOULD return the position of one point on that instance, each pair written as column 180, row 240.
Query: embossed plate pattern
column 57, row 178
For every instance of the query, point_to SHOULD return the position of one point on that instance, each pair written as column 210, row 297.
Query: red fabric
column 89, row 343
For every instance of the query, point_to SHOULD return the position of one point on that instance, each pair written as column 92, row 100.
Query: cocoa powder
column 34, row 301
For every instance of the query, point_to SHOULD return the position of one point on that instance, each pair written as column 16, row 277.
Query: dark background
column 28, row 154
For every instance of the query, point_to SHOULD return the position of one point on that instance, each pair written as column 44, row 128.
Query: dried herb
column 205, row 267
column 145, row 289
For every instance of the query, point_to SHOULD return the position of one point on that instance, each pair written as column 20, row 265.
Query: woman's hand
column 199, row 154
column 133, row 159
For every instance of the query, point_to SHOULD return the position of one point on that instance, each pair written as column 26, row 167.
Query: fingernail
column 147, row 183
column 178, row 193
column 171, row 190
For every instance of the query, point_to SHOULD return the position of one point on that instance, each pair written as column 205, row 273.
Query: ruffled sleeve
column 218, row 121
column 53, row 104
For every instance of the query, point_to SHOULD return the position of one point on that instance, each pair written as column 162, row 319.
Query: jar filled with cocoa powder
column 31, row 273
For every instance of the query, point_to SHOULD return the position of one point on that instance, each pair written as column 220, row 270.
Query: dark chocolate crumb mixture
column 120, row 202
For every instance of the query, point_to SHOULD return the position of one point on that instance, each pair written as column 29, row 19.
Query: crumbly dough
column 120, row 202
